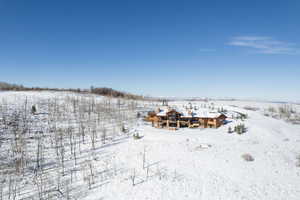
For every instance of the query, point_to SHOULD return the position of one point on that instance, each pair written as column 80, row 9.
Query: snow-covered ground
column 200, row 164
column 207, row 163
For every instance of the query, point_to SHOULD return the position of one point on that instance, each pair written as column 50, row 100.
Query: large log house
column 171, row 118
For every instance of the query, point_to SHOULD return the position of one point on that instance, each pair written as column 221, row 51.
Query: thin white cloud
column 265, row 45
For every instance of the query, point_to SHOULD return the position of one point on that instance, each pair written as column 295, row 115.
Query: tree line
column 103, row 91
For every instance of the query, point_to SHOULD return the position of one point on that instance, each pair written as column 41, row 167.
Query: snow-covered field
column 200, row 164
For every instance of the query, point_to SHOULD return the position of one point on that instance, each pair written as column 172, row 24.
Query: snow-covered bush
column 286, row 112
column 230, row 130
column 137, row 136
column 272, row 109
column 240, row 129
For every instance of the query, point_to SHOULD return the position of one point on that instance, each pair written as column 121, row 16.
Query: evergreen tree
column 33, row 109
column 229, row 129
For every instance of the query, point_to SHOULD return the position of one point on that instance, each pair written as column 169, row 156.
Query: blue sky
column 244, row 49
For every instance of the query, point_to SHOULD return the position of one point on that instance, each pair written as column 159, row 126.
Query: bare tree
column 103, row 135
column 133, row 177
column 144, row 158
column 93, row 136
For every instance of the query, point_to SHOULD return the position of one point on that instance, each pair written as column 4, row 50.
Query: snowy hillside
column 81, row 147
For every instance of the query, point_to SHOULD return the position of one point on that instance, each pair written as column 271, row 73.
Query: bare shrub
column 251, row 108
column 247, row 157
column 298, row 161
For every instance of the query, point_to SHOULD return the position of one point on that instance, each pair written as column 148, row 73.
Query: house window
column 172, row 117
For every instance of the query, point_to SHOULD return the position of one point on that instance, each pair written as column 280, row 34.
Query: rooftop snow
column 194, row 113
